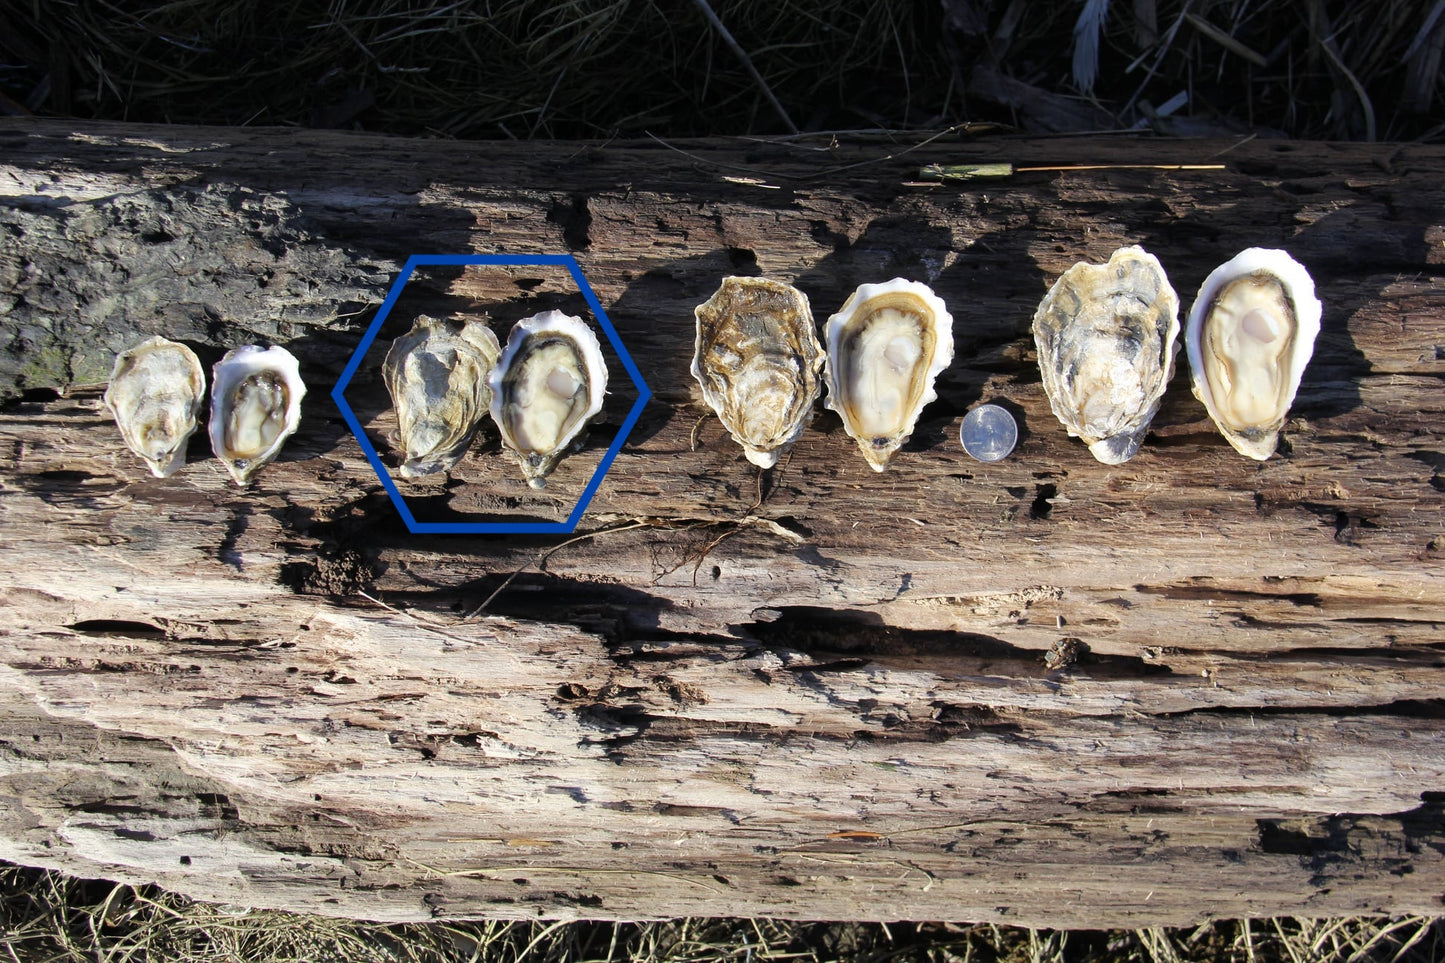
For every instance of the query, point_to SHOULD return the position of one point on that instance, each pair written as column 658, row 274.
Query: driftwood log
column 1042, row 691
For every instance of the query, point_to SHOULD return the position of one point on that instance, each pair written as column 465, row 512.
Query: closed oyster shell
column 885, row 347
column 758, row 361
column 154, row 393
column 548, row 385
column 255, row 406
column 437, row 376
column 1106, row 338
column 1251, row 334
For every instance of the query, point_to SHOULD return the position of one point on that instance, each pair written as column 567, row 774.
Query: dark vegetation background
column 609, row 68
column 678, row 68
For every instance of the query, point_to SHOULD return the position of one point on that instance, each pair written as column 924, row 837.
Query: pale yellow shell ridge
column 885, row 348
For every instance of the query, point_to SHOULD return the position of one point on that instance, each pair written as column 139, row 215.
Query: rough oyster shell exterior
column 758, row 360
column 1251, row 334
column 437, row 376
column 885, row 348
column 1106, row 337
column 255, row 406
column 548, row 384
column 154, row 393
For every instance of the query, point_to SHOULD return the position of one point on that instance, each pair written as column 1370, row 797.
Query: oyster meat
column 547, row 386
column 1106, row 338
column 255, row 406
column 154, row 393
column 1251, row 333
column 886, row 345
column 758, row 361
column 437, row 376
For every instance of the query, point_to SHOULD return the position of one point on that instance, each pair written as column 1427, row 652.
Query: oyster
column 758, row 361
column 886, row 345
column 1106, row 338
column 154, row 392
column 1251, row 333
column 437, row 376
column 548, row 384
column 255, row 406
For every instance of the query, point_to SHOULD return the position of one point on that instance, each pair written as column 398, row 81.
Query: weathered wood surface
column 833, row 703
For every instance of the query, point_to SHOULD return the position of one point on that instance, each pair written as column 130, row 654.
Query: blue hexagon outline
column 490, row 528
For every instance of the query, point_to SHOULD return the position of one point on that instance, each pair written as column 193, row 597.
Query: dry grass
column 588, row 68
column 49, row 917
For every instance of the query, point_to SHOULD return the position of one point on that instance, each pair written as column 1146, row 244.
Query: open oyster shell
column 255, row 406
column 886, row 345
column 549, row 383
column 758, row 361
column 437, row 376
column 1251, row 333
column 154, row 393
column 1106, row 341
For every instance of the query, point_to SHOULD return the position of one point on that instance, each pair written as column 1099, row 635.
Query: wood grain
column 818, row 692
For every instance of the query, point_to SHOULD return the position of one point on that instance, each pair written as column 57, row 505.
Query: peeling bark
column 1043, row 691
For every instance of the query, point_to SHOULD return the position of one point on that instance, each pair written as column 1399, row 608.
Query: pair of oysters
column 759, row 361
column 541, row 389
column 155, row 395
column 1106, row 337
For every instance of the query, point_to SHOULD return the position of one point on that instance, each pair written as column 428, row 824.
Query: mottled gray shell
column 437, row 376
column 154, row 393
column 758, row 360
column 1106, row 337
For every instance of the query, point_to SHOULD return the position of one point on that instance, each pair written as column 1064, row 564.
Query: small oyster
column 548, row 384
column 758, row 360
column 886, row 345
column 437, row 376
column 1106, row 340
column 154, row 393
column 255, row 406
column 1251, row 333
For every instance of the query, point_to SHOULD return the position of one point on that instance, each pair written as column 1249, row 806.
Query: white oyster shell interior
column 758, row 361
column 255, row 406
column 154, row 393
column 1251, row 334
column 885, row 348
column 548, row 385
column 1106, row 338
column 437, row 376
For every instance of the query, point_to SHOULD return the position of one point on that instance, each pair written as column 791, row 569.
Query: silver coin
column 989, row 433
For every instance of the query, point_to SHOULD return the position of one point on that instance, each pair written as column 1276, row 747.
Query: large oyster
column 255, row 406
column 1251, row 333
column 1106, row 340
column 548, row 384
column 886, row 345
column 154, row 392
column 437, row 376
column 758, row 360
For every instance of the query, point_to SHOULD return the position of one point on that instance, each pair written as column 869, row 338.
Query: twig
column 747, row 62
column 1328, row 45
column 424, row 624
column 970, row 172
column 1225, row 40
column 541, row 559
